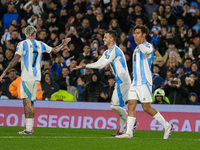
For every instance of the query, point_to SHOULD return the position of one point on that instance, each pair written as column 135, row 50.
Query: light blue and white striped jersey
column 142, row 58
column 31, row 51
column 7, row 36
column 114, row 57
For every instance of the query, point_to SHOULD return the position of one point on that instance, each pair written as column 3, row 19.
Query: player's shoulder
column 147, row 44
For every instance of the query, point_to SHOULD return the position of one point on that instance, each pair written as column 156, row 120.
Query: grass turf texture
column 94, row 139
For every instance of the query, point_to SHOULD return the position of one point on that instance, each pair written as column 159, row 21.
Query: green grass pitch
column 94, row 139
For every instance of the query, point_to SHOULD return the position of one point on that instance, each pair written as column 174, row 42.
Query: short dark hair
column 112, row 33
column 143, row 28
column 63, row 86
column 194, row 73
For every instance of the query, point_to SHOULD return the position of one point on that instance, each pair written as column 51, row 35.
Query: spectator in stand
column 90, row 16
column 193, row 99
column 192, row 83
column 42, row 36
column 176, row 93
column 9, row 16
column 47, row 67
column 160, row 62
column 76, row 38
column 33, row 20
column 107, row 91
column 149, row 8
column 177, row 9
column 171, row 19
column 113, row 12
column 37, row 6
column 172, row 63
column 94, row 45
column 194, row 68
column 41, row 25
column 54, row 24
column 65, row 77
column 72, row 72
column 49, row 86
column 93, row 88
column 53, row 8
column 161, row 11
column 80, row 88
column 14, row 89
column 84, row 31
column 155, row 21
column 12, row 75
column 8, row 56
column 196, row 41
column 62, row 94
column 58, row 64
column 187, row 65
column 138, row 13
column 159, row 97
column 188, row 19
column 86, row 53
column 78, row 19
column 171, row 48
column 114, row 25
column 54, row 40
column 197, row 26
column 123, row 9
column 190, row 35
column 7, row 34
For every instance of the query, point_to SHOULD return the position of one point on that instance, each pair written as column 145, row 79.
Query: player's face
column 138, row 35
column 107, row 39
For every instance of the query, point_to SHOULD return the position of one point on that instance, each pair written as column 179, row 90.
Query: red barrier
column 95, row 115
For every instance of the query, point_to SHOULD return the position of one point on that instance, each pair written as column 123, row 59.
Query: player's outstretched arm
column 13, row 62
column 61, row 46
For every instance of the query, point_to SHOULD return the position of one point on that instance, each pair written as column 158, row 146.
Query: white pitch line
column 69, row 137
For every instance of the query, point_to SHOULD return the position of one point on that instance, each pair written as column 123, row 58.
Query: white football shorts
column 120, row 94
column 142, row 93
column 29, row 89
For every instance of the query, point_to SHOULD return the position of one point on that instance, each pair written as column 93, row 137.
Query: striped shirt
column 31, row 51
column 142, row 58
column 115, row 57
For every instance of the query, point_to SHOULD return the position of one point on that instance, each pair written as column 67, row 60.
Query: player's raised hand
column 66, row 41
column 79, row 67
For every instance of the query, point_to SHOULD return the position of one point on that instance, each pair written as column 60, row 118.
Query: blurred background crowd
column 174, row 31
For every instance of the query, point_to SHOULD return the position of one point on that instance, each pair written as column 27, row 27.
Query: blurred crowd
column 173, row 30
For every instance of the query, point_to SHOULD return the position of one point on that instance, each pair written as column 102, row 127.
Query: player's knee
column 112, row 107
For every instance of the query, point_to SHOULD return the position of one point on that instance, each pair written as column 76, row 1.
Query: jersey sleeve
column 19, row 49
column 146, row 48
column 103, row 61
column 45, row 48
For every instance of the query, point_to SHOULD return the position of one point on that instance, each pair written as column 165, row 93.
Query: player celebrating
column 115, row 57
column 141, row 87
column 30, row 51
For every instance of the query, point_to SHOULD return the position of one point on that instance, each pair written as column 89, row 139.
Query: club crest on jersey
column 107, row 56
column 138, row 51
